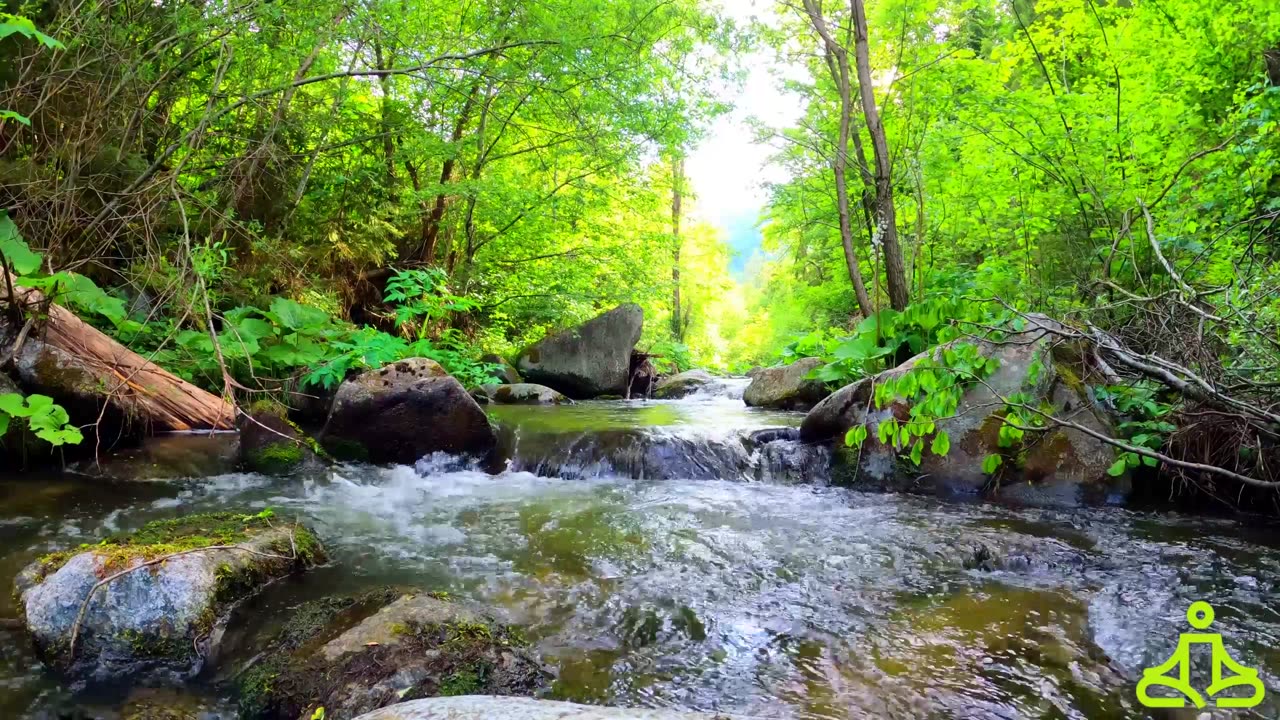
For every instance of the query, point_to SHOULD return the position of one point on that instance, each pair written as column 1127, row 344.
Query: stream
column 686, row 554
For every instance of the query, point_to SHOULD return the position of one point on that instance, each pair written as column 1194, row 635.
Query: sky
column 727, row 171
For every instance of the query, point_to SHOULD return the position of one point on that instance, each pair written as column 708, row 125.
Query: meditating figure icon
column 1200, row 615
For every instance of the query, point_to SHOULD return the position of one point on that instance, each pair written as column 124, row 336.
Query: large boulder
column 518, row 394
column 1056, row 467
column 404, row 412
column 153, row 602
column 352, row 655
column 590, row 360
column 682, row 384
column 786, row 387
column 500, row 708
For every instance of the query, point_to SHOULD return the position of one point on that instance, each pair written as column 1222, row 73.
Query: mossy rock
column 272, row 444
column 354, row 654
column 168, row 587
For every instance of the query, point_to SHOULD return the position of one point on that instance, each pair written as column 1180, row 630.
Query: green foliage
column 670, row 357
column 1146, row 424
column 47, row 420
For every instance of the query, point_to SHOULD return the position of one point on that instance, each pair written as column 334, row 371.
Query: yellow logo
column 1200, row 615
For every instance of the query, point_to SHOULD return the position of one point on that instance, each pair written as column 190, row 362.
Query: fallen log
column 63, row 356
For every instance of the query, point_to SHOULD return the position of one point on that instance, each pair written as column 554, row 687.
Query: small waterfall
column 770, row 455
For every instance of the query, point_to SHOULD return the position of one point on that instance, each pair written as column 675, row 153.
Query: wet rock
column 403, row 412
column 1059, row 467
column 518, row 394
column 506, row 372
column 493, row 708
column 769, row 435
column 161, row 619
column 644, row 376
column 271, row 444
column 786, row 387
column 309, row 405
column 685, row 383
column 590, row 360
column 645, row 455
column 356, row 654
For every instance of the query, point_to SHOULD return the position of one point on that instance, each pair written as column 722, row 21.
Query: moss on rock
column 354, row 654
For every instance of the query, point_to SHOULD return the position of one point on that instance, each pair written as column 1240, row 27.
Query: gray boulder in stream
column 590, row 360
column 786, row 387
column 498, row 708
column 149, row 618
column 683, row 384
column 404, row 412
column 1056, row 467
column 355, row 654
column 518, row 394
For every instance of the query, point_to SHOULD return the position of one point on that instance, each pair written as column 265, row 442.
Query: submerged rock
column 506, row 371
column 590, row 360
column 404, row 412
column 519, row 394
column 167, row 457
column 352, row 655
column 162, row 618
column 271, row 444
column 786, row 387
column 685, row 383
column 495, row 708
column 1058, row 467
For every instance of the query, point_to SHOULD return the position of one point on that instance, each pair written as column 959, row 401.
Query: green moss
column 166, row 537
column 267, row 406
column 145, row 645
column 276, row 458
column 468, row 681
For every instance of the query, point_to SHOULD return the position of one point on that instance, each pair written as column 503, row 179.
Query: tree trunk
column 886, row 216
column 388, row 141
column 431, row 225
column 1272, row 60
column 677, row 190
column 838, row 65
column 76, row 357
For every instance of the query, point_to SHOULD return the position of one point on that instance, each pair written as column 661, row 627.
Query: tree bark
column 838, row 65
column 886, row 215
column 135, row 386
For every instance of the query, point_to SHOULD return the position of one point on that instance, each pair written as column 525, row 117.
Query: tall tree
column 677, row 197
column 836, row 57
column 886, row 216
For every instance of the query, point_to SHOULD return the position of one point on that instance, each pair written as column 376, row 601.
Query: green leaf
column 941, row 444
column 991, row 462
column 14, row 405
column 297, row 316
column 15, row 249
column 4, row 424
column 1149, row 461
column 856, row 436
column 1117, row 468
column 11, row 115
column 917, row 451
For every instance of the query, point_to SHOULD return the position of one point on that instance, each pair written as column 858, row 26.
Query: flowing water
column 670, row 554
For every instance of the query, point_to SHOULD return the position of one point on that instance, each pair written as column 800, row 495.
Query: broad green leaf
column 991, row 462
column 297, row 316
column 1117, row 468
column 14, row 249
column 856, row 436
column 941, row 444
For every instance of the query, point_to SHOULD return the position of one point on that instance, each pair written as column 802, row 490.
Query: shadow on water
column 749, row 594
